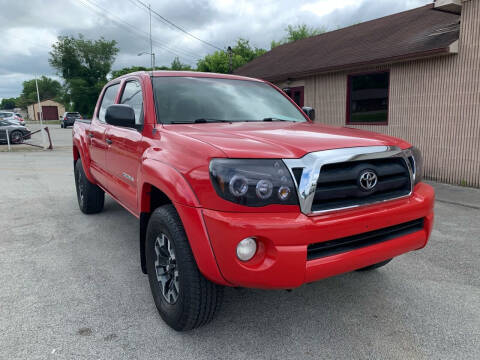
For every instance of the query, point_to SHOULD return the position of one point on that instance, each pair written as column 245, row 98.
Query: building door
column 50, row 112
column 296, row 93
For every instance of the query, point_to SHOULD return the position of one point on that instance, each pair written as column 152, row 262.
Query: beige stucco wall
column 33, row 109
column 434, row 104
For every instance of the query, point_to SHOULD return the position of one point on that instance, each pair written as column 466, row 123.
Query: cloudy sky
column 29, row 27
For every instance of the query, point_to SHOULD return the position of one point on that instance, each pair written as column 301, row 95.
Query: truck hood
column 280, row 139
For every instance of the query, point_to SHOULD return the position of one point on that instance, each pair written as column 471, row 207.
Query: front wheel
column 375, row 266
column 184, row 298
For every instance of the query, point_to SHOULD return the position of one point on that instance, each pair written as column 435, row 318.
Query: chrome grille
column 329, row 180
column 338, row 184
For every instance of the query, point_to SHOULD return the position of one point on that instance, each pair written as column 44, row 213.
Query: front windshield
column 194, row 99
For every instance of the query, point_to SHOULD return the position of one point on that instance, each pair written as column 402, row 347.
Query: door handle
column 91, row 135
column 108, row 141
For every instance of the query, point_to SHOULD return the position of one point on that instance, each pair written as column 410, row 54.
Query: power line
column 143, row 7
column 145, row 35
column 171, row 23
column 99, row 10
column 137, row 5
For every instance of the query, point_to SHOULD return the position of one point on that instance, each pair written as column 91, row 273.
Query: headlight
column 253, row 182
column 416, row 161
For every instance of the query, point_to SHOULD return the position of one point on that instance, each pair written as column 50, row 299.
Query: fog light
column 246, row 249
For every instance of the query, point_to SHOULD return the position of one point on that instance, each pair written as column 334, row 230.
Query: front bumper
column 281, row 259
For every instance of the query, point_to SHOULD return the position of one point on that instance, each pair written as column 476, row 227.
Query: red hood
column 280, row 139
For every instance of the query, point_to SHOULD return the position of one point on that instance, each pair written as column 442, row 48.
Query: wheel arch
column 80, row 151
column 162, row 184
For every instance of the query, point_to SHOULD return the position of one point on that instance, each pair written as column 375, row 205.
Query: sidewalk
column 456, row 195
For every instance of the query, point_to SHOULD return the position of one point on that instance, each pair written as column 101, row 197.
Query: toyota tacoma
column 235, row 185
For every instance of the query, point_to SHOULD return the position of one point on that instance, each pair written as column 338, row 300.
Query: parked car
column 68, row 119
column 16, row 132
column 235, row 185
column 19, row 117
column 12, row 117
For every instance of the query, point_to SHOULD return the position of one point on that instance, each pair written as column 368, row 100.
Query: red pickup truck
column 235, row 185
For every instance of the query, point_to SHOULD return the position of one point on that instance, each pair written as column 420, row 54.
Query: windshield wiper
column 275, row 119
column 200, row 121
column 207, row 120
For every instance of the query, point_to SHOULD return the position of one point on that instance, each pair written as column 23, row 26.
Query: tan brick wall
column 434, row 104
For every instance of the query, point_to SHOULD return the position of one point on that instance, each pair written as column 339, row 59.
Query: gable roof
column 412, row 34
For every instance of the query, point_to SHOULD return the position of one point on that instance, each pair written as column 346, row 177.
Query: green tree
column 128, row 70
column 298, row 32
column 48, row 88
column 131, row 69
column 219, row 61
column 177, row 65
column 84, row 65
column 8, row 104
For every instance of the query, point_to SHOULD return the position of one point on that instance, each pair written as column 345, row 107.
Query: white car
column 12, row 117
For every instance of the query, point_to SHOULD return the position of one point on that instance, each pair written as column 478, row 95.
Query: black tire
column 197, row 299
column 61, row 125
column 90, row 197
column 375, row 266
column 16, row 137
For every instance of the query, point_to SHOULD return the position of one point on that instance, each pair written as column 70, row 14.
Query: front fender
column 169, row 181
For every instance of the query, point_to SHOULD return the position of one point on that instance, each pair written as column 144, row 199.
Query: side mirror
column 310, row 112
column 120, row 115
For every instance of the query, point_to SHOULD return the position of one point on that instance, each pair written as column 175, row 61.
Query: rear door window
column 108, row 99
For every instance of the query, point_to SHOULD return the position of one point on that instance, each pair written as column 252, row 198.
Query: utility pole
column 229, row 50
column 152, row 56
column 40, row 115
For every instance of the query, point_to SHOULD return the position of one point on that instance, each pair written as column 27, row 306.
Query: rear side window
column 108, row 99
column 132, row 96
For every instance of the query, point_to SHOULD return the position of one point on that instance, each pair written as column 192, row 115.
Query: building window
column 296, row 94
column 367, row 98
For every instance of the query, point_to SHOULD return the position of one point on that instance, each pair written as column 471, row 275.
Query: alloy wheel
column 80, row 185
column 166, row 268
column 16, row 137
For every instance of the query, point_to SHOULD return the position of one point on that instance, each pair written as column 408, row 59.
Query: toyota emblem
column 368, row 179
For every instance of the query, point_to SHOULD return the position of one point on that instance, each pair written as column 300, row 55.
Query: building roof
column 412, row 34
column 44, row 101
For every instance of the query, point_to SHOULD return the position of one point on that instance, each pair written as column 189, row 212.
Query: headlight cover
column 253, row 182
column 416, row 161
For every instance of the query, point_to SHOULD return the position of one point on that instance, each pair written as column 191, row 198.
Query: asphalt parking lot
column 71, row 287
